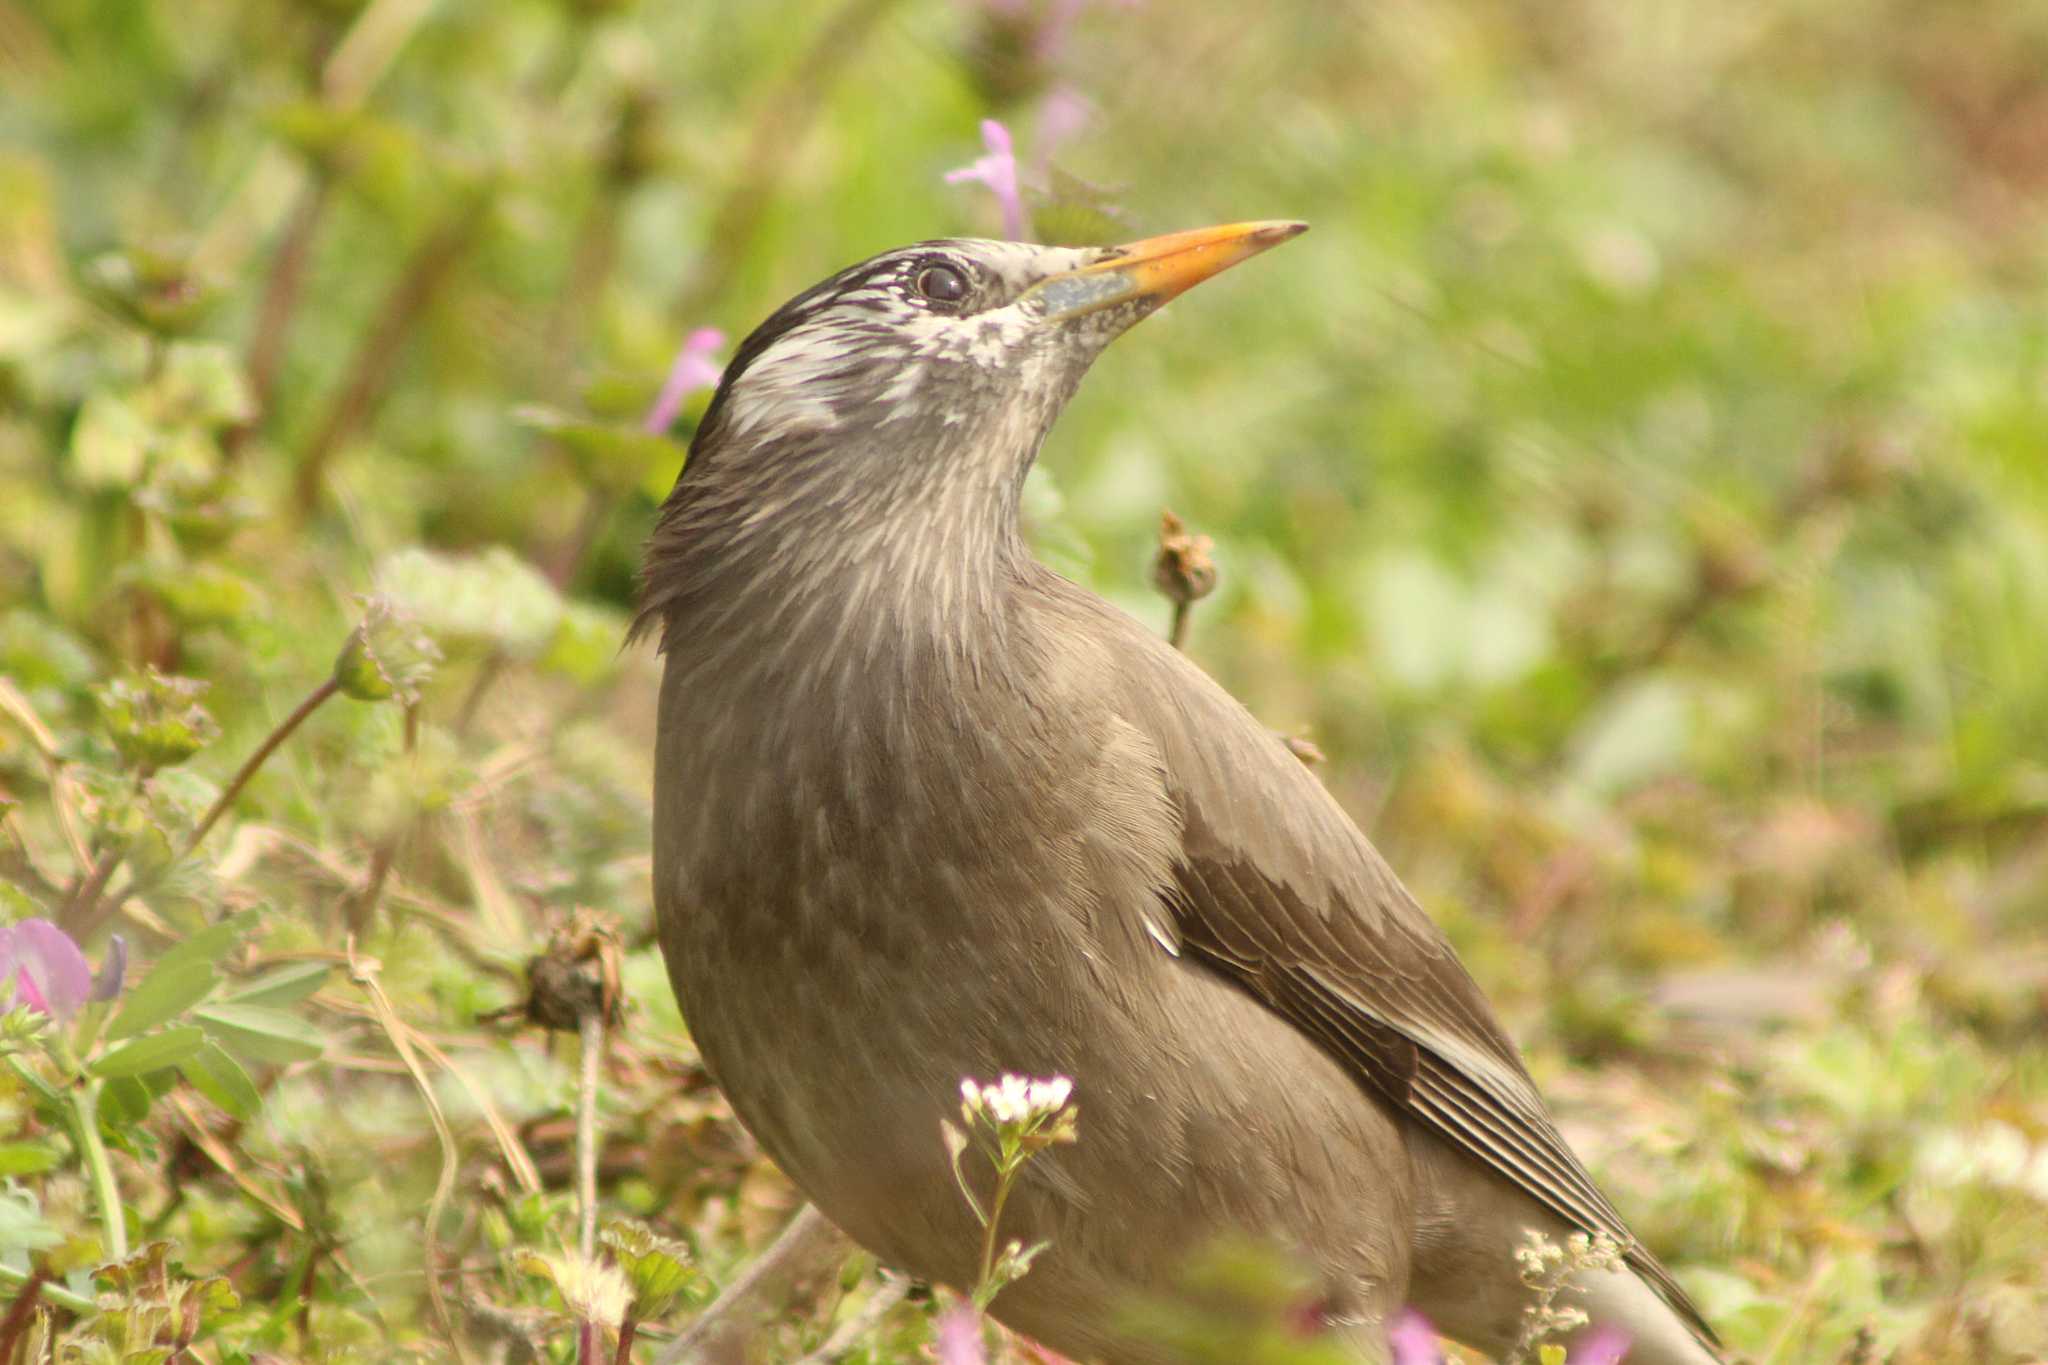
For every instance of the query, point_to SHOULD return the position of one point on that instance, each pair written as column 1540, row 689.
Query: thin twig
column 22, row 1311
column 85, row 914
column 82, row 915
column 364, row 972
column 283, row 732
column 590, row 1032
column 281, row 293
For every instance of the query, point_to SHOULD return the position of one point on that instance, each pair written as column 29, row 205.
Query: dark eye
column 942, row 284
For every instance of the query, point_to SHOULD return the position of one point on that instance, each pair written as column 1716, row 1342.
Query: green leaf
column 212, row 943
column 658, row 1269
column 150, row 1052
column 181, row 978
column 219, row 1077
column 124, row 1104
column 168, row 991
column 259, row 1031
column 286, row 985
column 28, row 1158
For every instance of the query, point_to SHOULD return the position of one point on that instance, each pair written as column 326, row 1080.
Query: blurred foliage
column 1637, row 484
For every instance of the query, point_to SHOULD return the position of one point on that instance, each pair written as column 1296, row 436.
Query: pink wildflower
column 959, row 1335
column 1602, row 1346
column 1413, row 1339
column 692, row 370
column 998, row 171
column 42, row 969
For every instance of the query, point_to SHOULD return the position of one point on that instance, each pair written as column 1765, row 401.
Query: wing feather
column 1276, row 888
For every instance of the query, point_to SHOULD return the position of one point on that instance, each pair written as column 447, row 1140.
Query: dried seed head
column 1183, row 569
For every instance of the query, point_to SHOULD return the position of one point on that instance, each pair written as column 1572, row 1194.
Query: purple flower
column 693, row 369
column 960, row 1337
column 998, row 171
column 42, row 969
column 1413, row 1339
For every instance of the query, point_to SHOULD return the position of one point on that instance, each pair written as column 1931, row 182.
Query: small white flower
column 1014, row 1101
column 590, row 1289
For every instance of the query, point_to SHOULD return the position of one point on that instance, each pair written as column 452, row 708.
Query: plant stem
column 281, row 291
column 78, row 913
column 82, row 914
column 21, row 1312
column 982, row 1289
column 85, row 1101
column 590, row 1030
column 284, row 729
column 52, row 1292
column 377, row 353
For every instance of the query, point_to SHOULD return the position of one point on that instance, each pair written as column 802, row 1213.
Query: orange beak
column 1158, row 268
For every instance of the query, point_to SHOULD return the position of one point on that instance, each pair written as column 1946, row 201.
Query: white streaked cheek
column 791, row 388
column 903, row 386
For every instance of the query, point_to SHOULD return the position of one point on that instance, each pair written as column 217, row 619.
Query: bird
column 924, row 810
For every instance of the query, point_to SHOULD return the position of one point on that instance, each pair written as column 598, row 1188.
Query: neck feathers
column 819, row 555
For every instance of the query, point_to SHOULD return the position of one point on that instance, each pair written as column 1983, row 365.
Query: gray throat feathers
column 810, row 586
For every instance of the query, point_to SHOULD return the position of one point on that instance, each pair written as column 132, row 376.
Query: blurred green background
column 1636, row 484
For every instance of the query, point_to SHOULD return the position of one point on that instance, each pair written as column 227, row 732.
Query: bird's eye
column 942, row 284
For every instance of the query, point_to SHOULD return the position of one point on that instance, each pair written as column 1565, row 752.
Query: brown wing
column 1277, row 889
column 1396, row 1017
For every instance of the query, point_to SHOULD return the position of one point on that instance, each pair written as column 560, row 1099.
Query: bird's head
column 910, row 391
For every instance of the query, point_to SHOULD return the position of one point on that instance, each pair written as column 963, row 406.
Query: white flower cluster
column 1014, row 1101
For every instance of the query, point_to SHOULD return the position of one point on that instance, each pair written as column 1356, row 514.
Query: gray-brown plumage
column 925, row 810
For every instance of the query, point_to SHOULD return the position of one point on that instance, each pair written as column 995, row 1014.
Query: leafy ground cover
column 1636, row 486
